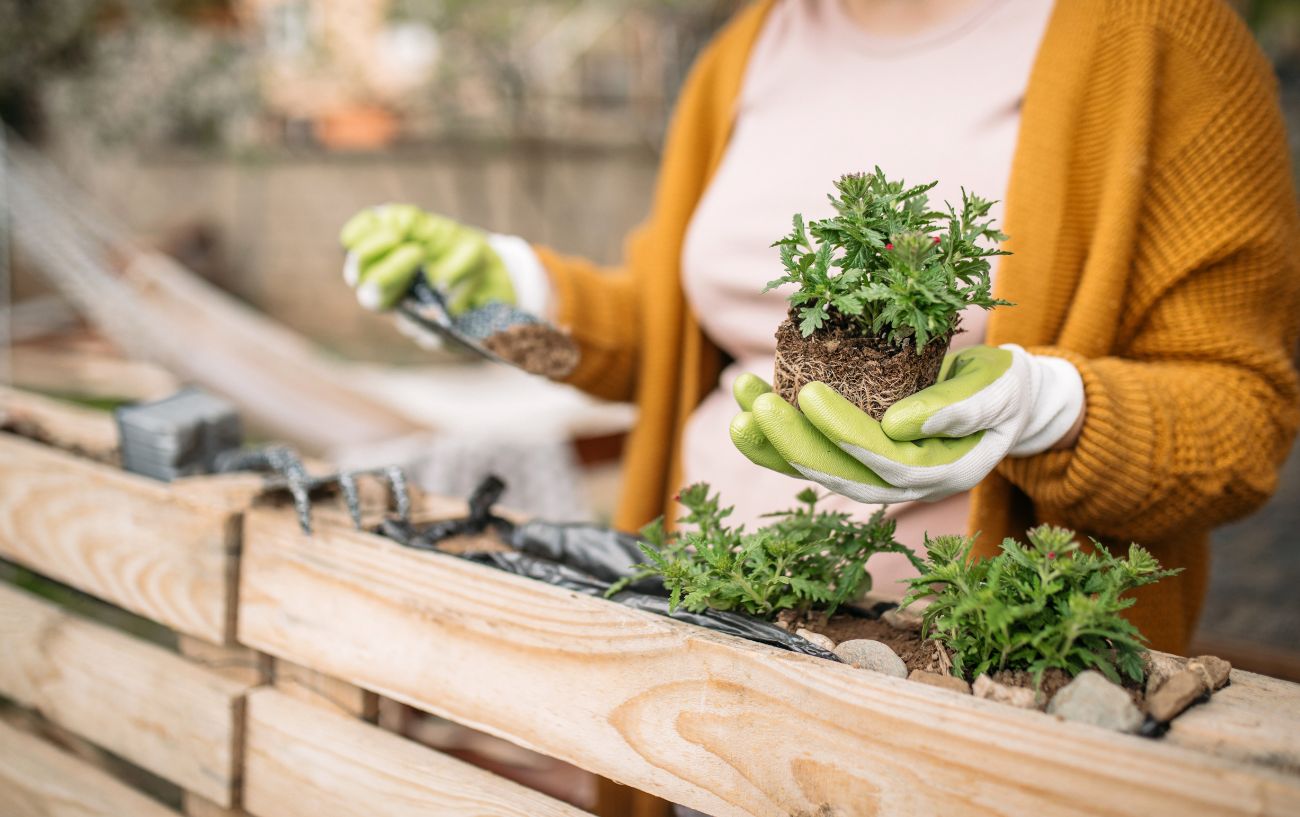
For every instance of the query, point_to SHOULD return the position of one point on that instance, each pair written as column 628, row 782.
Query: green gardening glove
column 390, row 244
column 989, row 403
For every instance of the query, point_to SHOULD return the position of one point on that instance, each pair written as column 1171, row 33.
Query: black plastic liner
column 583, row 558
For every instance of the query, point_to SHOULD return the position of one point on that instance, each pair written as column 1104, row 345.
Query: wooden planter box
column 168, row 552
column 720, row 724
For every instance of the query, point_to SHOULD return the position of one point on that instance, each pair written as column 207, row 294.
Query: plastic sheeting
column 586, row 559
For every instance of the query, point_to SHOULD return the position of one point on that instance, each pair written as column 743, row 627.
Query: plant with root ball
column 880, row 287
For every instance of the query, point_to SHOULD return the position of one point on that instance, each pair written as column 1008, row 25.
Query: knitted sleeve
column 1187, row 424
column 600, row 309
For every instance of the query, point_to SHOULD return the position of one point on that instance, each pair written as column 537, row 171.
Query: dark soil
column 916, row 654
column 871, row 373
column 536, row 349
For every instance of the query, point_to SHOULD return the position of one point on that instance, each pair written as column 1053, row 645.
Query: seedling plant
column 805, row 559
column 886, row 264
column 1049, row 604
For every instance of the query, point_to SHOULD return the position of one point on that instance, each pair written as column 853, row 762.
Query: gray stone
column 901, row 620
column 934, row 679
column 1160, row 667
column 816, row 638
column 1023, row 697
column 1090, row 698
column 864, row 653
column 1214, row 670
column 1176, row 694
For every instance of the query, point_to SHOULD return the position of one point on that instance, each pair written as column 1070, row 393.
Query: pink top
column 823, row 97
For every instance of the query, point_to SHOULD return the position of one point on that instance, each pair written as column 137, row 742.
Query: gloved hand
column 989, row 403
column 389, row 245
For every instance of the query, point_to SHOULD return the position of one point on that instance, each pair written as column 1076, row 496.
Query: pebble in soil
column 1022, row 697
column 873, row 655
column 1092, row 699
column 816, row 638
column 1176, row 694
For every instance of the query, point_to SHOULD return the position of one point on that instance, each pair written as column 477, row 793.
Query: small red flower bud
column 936, row 239
column 1051, row 554
column 889, row 246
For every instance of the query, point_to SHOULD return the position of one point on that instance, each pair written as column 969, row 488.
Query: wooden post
column 238, row 664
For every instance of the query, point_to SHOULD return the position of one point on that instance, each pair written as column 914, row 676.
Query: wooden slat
column 124, row 538
column 86, row 374
column 37, row 780
column 148, row 705
column 68, row 424
column 304, row 761
column 722, row 725
column 1255, row 719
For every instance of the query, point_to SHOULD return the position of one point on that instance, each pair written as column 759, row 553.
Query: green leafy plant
column 1037, row 607
column 805, row 559
column 886, row 264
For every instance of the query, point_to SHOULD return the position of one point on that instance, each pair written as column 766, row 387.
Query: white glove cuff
column 527, row 275
column 1058, row 399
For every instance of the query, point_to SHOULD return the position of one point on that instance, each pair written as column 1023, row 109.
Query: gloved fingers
column 750, row 441
column 383, row 283
column 979, row 454
column 400, row 218
column 376, row 244
column 496, row 286
column 461, row 261
column 748, row 387
column 857, row 433
column 864, row 492
column 800, row 443
column 436, row 233
column 358, row 227
column 975, row 393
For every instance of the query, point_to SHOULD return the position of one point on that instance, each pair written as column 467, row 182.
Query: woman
column 1153, row 223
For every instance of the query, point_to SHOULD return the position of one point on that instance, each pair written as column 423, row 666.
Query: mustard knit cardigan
column 1155, row 235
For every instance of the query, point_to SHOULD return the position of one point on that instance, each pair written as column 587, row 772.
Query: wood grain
column 304, row 761
column 140, row 701
column 1255, row 719
column 87, row 374
column 37, row 780
column 725, row 726
column 68, row 424
column 124, row 538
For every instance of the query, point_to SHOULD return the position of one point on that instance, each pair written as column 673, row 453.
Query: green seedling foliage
column 804, row 559
column 1035, row 607
column 886, row 265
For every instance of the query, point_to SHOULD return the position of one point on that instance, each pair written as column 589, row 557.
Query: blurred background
column 236, row 137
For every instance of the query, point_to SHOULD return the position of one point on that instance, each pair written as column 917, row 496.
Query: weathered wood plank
column 38, row 780
column 304, row 761
column 142, row 702
column 1255, row 719
column 68, row 424
column 89, row 374
column 720, row 724
column 121, row 537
